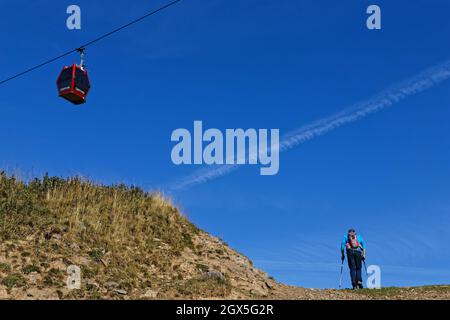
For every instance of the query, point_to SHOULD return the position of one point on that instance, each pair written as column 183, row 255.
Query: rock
column 258, row 292
column 56, row 236
column 75, row 247
column 120, row 291
column 34, row 278
column 44, row 294
column 111, row 285
column 81, row 261
column 58, row 264
column 92, row 284
column 270, row 286
column 151, row 294
column 213, row 274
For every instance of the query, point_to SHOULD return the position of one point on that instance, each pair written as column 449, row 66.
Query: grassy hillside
column 128, row 244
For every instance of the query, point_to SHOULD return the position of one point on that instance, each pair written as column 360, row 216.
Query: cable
column 36, row 67
column 90, row 42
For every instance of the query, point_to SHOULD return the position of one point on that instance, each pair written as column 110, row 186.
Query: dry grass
column 217, row 288
column 122, row 227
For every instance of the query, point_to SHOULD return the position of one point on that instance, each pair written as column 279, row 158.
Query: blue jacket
column 345, row 241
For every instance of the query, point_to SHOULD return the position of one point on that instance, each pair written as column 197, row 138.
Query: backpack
column 352, row 242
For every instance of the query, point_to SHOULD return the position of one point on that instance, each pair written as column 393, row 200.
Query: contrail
column 396, row 93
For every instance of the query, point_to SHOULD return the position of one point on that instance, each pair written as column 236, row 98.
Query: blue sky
column 250, row 64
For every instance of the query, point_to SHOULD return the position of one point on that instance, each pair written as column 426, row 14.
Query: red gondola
column 73, row 82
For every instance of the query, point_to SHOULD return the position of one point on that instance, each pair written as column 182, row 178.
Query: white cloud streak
column 392, row 95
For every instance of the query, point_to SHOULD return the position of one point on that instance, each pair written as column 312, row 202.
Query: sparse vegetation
column 15, row 280
column 30, row 268
column 53, row 278
column 96, row 255
column 5, row 268
column 211, row 287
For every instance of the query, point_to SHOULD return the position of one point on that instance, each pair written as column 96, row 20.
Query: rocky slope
column 212, row 271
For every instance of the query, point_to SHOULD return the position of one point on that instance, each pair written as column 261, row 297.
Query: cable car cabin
column 73, row 84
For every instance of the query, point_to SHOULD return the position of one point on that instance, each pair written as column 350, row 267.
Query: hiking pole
column 340, row 277
column 365, row 268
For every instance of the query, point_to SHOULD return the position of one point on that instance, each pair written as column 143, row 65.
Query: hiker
column 353, row 244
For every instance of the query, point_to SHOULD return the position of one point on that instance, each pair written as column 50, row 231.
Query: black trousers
column 354, row 258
